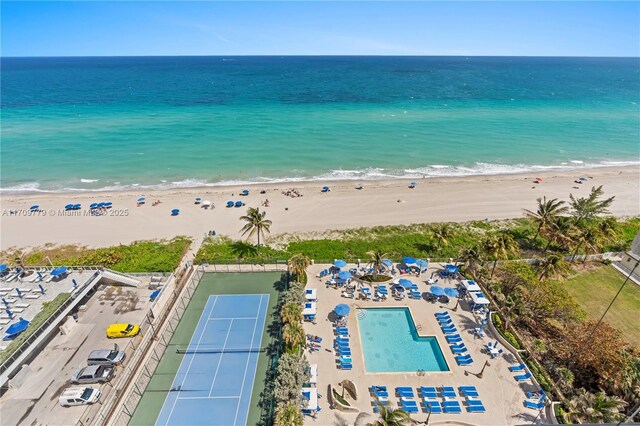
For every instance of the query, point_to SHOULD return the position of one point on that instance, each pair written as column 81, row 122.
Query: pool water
column 390, row 343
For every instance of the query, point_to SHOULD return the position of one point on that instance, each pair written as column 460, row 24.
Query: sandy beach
column 452, row 199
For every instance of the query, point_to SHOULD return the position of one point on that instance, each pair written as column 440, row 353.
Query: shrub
column 513, row 341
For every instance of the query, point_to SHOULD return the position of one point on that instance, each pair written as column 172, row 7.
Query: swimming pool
column 391, row 343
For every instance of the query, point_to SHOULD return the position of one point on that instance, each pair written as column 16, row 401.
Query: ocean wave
column 370, row 174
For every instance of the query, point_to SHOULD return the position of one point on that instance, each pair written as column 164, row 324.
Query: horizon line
column 314, row 55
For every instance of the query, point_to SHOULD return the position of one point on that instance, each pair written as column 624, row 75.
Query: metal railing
column 51, row 319
column 270, row 266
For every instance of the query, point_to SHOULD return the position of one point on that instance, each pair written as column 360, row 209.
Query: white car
column 79, row 396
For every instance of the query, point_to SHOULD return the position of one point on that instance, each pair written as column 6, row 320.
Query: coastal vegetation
column 139, row 256
column 389, row 416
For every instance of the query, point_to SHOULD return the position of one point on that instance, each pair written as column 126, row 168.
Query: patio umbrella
column 101, row 205
column 408, row 260
column 325, row 189
column 422, row 263
column 387, row 262
column 5, row 302
column 436, row 290
column 141, row 200
column 16, row 328
column 245, row 192
column 405, row 282
column 77, row 206
column 175, row 212
column 68, row 207
column 36, row 207
column 344, row 275
column 9, row 313
column 60, row 270
column 451, row 292
column 342, row 310
column 452, row 269
column 239, row 204
column 339, row 263
column 94, row 206
column 108, row 204
column 229, row 203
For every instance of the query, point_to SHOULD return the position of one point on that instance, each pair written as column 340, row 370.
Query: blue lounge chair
column 410, row 408
column 451, row 330
column 534, row 405
column 445, row 320
column 454, row 338
column 433, row 407
column 473, row 401
column 345, row 351
column 405, row 391
column 465, row 361
column 428, row 392
column 459, row 350
column 452, row 407
column 523, row 377
column 442, row 314
column 479, row 408
column 456, row 345
column 343, row 331
column 520, row 367
column 346, row 366
column 468, row 391
column 536, row 395
column 380, row 391
column 448, row 392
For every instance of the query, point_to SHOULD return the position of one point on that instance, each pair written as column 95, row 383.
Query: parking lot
column 34, row 399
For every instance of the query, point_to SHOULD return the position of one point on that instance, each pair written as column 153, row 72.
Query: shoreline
column 381, row 202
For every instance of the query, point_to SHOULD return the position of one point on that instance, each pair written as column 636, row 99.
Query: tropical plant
column 377, row 256
column 291, row 313
column 552, row 266
column 546, row 213
column 256, row 224
column 293, row 372
column 588, row 238
column 298, row 264
column 289, row 415
column 470, row 258
column 391, row 417
column 293, row 336
column 587, row 407
column 512, row 307
column 441, row 233
column 558, row 232
column 586, row 208
column 499, row 247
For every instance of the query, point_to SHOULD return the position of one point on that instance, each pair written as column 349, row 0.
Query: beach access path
column 391, row 202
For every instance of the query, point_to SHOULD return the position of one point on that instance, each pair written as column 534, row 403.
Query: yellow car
column 122, row 330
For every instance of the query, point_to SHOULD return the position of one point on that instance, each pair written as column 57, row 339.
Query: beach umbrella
column 102, row 204
column 436, row 290
column 198, row 200
column 583, row 178
column 405, row 282
column 9, row 313
column 245, row 192
column 422, row 263
column 94, row 205
column 408, row 260
column 16, row 328
column 342, row 310
column 451, row 292
column 239, row 204
column 175, row 212
column 326, row 189
column 206, row 203
column 141, row 200
column 539, row 179
column 5, row 302
column 60, row 270
column 344, row 275
column 229, row 203
column 108, row 204
column 3, row 267
column 413, row 185
column 339, row 263
column 41, row 288
column 74, row 282
column 68, row 207
column 36, row 207
column 399, row 288
column 452, row 269
column 19, row 293
column 77, row 206
column 387, row 262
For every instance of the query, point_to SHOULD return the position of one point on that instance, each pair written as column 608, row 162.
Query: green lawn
column 595, row 289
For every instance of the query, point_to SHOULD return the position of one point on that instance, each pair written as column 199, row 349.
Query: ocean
column 119, row 123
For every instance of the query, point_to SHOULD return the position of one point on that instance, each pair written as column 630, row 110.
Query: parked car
column 105, row 357
column 122, row 330
column 79, row 396
column 93, row 374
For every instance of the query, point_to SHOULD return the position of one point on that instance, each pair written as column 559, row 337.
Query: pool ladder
column 361, row 312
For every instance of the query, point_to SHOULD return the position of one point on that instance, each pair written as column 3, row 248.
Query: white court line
column 190, row 362
column 234, row 318
column 210, row 397
column 246, row 366
column 221, row 355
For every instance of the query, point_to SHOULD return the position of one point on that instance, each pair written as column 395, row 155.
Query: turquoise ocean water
column 123, row 123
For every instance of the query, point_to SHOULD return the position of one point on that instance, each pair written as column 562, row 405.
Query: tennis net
column 217, row 350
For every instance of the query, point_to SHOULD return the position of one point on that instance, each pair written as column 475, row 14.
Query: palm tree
column 441, row 232
column 289, row 415
column 293, row 336
column 552, row 265
column 256, row 223
column 291, row 313
column 546, row 213
column 587, row 237
column 470, row 257
column 391, row 417
column 560, row 232
column 298, row 263
column 512, row 307
column 609, row 229
column 586, row 407
column 243, row 249
column 499, row 247
column 586, row 208
column 377, row 256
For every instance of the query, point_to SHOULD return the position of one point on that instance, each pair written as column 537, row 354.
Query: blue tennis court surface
column 215, row 379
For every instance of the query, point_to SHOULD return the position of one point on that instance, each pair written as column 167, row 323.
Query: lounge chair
column 473, row 401
column 379, row 392
column 346, row 366
column 479, row 408
column 448, row 392
column 453, row 338
column 531, row 395
column 410, row 408
column 442, row 314
column 433, row 407
column 452, row 407
column 523, row 377
column 535, row 405
column 343, row 331
column 428, row 392
column 405, row 391
column 514, row 368
column 459, row 350
column 464, row 361
column 469, row 391
column 449, row 330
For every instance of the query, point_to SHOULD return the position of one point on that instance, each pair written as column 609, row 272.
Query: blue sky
column 320, row 28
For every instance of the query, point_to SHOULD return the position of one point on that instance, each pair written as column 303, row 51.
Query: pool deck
column 501, row 395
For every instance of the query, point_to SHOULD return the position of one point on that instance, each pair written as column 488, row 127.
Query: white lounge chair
column 32, row 296
column 23, row 305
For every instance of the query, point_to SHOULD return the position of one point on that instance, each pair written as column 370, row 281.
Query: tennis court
column 214, row 382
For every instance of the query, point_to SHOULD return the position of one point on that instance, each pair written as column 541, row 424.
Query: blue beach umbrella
column 9, row 313
column 3, row 267
column 141, row 200
column 408, row 260
column 16, row 328
column 245, row 192
column 413, row 185
column 239, row 204
column 60, row 270
column 5, row 302
column 405, row 282
column 41, row 288
column 452, row 269
column 175, row 212
column 19, row 293
column 342, row 310
column 436, row 290
column 229, row 203
column 583, row 178
column 102, row 204
column 108, row 204
column 451, row 292
column 344, row 275
column 68, row 207
column 94, row 206
column 422, row 263
column 74, row 282
column 339, row 263
column 387, row 262
column 326, row 189
column 36, row 207
column 198, row 200
column 77, row 206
